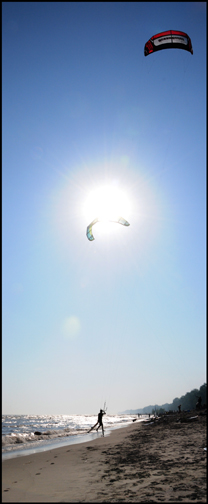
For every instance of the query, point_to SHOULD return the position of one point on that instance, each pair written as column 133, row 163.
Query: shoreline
column 58, row 443
column 162, row 461
column 50, row 445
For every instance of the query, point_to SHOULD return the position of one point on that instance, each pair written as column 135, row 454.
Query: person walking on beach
column 99, row 421
column 198, row 404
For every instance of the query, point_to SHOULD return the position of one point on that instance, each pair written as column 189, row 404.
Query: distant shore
column 165, row 461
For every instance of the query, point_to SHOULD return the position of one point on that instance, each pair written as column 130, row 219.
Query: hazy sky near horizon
column 86, row 119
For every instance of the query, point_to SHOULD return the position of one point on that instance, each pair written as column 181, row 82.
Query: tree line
column 187, row 402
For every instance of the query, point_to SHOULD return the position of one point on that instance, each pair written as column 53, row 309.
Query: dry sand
column 164, row 461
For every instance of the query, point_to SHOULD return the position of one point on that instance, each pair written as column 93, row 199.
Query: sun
column 106, row 202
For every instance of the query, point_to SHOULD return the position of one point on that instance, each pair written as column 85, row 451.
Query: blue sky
column 120, row 319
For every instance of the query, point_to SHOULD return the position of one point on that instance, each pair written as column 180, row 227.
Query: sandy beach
column 162, row 461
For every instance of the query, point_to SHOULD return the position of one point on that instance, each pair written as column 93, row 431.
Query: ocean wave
column 12, row 439
column 24, row 431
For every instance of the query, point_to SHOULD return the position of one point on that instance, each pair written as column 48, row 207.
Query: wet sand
column 163, row 461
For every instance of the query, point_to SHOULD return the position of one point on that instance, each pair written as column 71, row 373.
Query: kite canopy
column 170, row 39
column 119, row 220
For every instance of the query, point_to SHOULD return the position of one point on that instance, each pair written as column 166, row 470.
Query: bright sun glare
column 107, row 203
